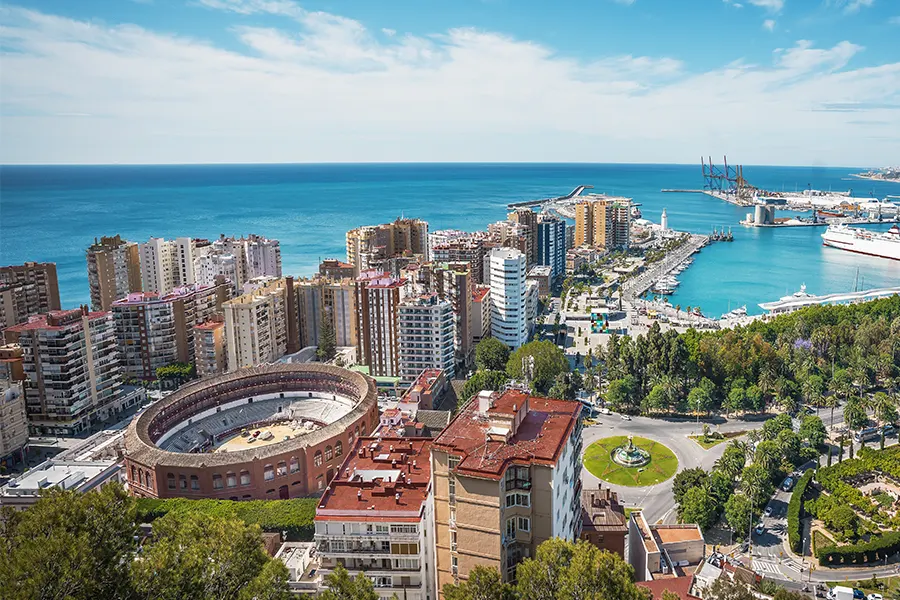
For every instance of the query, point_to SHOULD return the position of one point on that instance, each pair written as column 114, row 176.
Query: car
column 626, row 417
column 874, row 596
column 605, row 411
column 889, row 429
column 760, row 528
column 768, row 511
column 788, row 484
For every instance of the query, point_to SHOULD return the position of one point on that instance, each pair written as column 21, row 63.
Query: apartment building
column 603, row 222
column 13, row 422
column 73, row 377
column 528, row 219
column 506, row 477
column 11, row 362
column 372, row 246
column 551, row 245
column 210, row 357
column 603, row 520
column 333, row 268
column 509, row 318
column 376, row 518
column 154, row 330
column 25, row 290
column 510, row 234
column 469, row 248
column 378, row 298
column 660, row 552
column 454, row 282
column 262, row 325
column 427, row 333
column 532, row 304
column 238, row 259
column 481, row 313
column 324, row 298
column 114, row 270
column 166, row 264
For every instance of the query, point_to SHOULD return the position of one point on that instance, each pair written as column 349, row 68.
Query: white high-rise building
column 166, row 264
column 506, row 269
column 426, row 337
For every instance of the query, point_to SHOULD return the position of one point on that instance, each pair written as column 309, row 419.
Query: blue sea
column 52, row 213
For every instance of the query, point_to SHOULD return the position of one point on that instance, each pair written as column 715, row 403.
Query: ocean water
column 52, row 213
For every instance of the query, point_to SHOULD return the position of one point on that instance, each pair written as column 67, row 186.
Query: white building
column 509, row 318
column 532, row 304
column 13, row 422
column 376, row 517
column 427, row 333
column 258, row 325
column 81, row 476
column 166, row 264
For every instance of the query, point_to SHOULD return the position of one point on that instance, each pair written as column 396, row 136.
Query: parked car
column 760, row 528
column 874, row 596
column 788, row 484
column 768, row 511
column 626, row 417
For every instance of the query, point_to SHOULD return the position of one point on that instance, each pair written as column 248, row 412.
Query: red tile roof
column 210, row 325
column 479, row 293
column 538, row 439
column 379, row 482
column 680, row 586
column 56, row 320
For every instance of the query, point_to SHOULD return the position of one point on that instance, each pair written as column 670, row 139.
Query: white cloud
column 774, row 6
column 894, row 20
column 769, row 25
column 733, row 3
column 325, row 88
column 388, row 32
column 851, row 6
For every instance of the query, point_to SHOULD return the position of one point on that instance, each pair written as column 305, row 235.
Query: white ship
column 871, row 243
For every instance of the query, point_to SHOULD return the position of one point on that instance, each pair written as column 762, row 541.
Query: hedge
column 292, row 516
column 885, row 462
column 795, row 507
column 864, row 552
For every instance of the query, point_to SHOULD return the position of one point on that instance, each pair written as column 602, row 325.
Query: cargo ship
column 871, row 243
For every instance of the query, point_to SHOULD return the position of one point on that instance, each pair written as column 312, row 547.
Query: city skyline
column 257, row 81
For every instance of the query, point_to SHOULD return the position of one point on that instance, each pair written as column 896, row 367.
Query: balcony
column 518, row 484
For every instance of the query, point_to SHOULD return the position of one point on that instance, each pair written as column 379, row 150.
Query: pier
column 671, row 191
column 640, row 284
column 526, row 203
column 824, row 223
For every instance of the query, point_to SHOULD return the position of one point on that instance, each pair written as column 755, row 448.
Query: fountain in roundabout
column 630, row 455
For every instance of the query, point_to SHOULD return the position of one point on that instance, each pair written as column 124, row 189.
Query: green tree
column 700, row 400
column 812, row 430
column 841, row 518
column 784, row 594
column 776, row 425
column 548, row 362
column 726, row 589
column 204, row 558
column 884, row 408
column 737, row 400
column 768, row 456
column 68, row 545
column 491, row 354
column 541, row 578
column 687, row 479
column 484, row 380
column 738, row 515
column 176, row 372
column 327, row 340
column 697, row 506
column 855, row 415
column 732, row 460
column 756, row 482
column 343, row 587
column 620, row 392
column 789, row 446
column 812, row 388
column 483, row 584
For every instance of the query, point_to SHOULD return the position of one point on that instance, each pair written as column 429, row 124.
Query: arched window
column 133, row 474
column 148, row 480
column 338, row 449
column 362, row 427
column 356, row 431
column 268, row 472
column 230, row 480
column 170, row 479
column 217, row 481
column 329, row 453
column 282, row 468
column 245, row 477
column 295, row 464
column 195, row 482
column 182, row 481
column 317, row 458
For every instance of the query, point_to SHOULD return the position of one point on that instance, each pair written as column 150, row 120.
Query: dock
column 825, row 223
column 635, row 287
column 527, row 203
column 671, row 191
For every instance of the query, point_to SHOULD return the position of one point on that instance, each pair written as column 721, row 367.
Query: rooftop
column 480, row 292
column 67, row 475
column 56, row 320
column 680, row 586
column 497, row 429
column 601, row 511
column 176, row 294
column 210, row 325
column 540, row 271
column 382, row 479
column 672, row 534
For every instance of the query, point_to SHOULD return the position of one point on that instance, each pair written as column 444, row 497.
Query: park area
column 598, row 459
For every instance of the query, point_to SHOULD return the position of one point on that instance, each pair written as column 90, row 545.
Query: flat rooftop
column 671, row 534
column 64, row 474
column 382, row 479
column 538, row 439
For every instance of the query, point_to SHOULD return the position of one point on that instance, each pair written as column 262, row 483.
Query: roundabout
column 630, row 461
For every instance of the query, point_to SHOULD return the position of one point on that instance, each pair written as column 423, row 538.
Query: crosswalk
column 761, row 566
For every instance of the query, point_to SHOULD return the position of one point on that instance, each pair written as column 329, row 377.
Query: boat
column 861, row 241
column 737, row 312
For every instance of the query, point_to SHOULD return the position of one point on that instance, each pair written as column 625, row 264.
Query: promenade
column 633, row 288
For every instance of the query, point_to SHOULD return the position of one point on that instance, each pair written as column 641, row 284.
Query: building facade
column 369, row 247
column 660, row 552
column 528, row 219
column 427, row 328
column 506, row 267
column 73, row 376
column 13, row 423
column 469, row 248
column 454, row 282
column 324, row 298
column 263, row 325
column 376, row 518
column 378, row 298
column 551, row 245
column 114, row 270
column 603, row 222
column 506, row 477
column 603, row 520
column 210, row 357
column 155, row 330
column 25, row 290
column 481, row 313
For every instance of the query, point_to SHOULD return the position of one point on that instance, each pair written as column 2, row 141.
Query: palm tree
column 884, row 408
column 831, row 401
column 733, row 459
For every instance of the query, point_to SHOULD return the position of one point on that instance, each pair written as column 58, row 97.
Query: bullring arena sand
column 278, row 430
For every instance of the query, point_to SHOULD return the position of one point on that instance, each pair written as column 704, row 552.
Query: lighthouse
column 664, row 221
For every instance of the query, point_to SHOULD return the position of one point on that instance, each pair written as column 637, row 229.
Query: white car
column 768, row 511
column 626, row 417
column 874, row 597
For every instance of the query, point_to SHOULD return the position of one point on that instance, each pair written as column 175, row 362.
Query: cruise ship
column 861, row 241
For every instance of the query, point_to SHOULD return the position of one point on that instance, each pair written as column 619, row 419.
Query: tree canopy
column 491, row 354
column 549, row 361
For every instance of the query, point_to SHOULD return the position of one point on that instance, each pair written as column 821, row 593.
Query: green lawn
column 598, row 460
column 707, row 444
column 820, row 540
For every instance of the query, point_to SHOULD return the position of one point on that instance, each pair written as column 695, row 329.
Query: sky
column 774, row 82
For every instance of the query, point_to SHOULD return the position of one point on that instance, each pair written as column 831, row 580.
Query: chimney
column 593, row 503
column 394, row 463
column 397, row 498
column 359, row 494
column 414, row 464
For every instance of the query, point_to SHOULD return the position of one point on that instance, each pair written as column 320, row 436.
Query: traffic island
column 600, row 460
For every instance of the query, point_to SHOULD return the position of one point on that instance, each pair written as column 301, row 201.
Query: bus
column 869, row 433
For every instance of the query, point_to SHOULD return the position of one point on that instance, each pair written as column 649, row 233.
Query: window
column 329, row 453
column 452, row 541
column 245, row 477
column 337, row 545
column 511, row 527
column 133, row 474
column 453, row 462
column 195, row 483
column 381, row 528
column 282, row 468
column 217, row 481
column 518, row 499
column 320, row 481
column 452, row 489
column 385, row 546
column 317, row 458
column 230, row 480
column 362, row 427
column 404, row 548
column 404, row 529
column 170, row 480
column 148, row 480
column 524, row 524
column 338, row 449
column 268, row 473
column 295, row 464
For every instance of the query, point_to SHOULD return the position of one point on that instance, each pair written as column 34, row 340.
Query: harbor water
column 52, row 213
